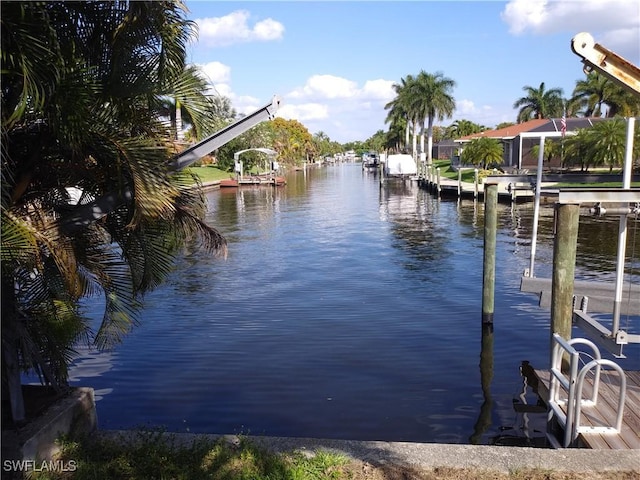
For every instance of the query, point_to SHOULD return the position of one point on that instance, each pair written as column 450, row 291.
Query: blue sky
column 333, row 63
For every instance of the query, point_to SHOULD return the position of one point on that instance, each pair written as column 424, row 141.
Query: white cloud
column 216, row 72
column 465, row 107
column 304, row 112
column 379, row 89
column 326, row 87
column 613, row 23
column 219, row 77
column 234, row 28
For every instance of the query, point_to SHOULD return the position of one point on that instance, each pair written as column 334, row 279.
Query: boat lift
column 239, row 166
column 596, row 57
column 87, row 213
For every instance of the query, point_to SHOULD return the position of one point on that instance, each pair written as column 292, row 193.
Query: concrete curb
column 431, row 455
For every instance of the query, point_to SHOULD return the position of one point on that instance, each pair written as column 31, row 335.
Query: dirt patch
column 357, row 470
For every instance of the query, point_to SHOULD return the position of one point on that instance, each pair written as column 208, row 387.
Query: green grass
column 210, row 173
column 157, row 455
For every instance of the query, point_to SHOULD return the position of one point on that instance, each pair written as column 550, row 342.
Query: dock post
column 489, row 263
column 564, row 266
column 459, row 182
column 475, row 182
column 438, row 180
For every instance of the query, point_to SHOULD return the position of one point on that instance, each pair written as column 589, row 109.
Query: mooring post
column 459, row 182
column 564, row 266
column 475, row 183
column 489, row 263
column 438, row 180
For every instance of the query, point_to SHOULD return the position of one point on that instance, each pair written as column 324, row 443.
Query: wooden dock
column 253, row 180
column 604, row 412
column 453, row 188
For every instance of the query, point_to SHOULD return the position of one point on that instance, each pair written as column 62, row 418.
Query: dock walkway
column 604, row 412
column 454, row 188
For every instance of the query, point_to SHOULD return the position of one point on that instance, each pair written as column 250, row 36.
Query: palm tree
column 591, row 94
column 597, row 91
column 539, row 103
column 81, row 88
column 187, row 102
column 552, row 149
column 622, row 102
column 483, row 151
column 576, row 149
column 607, row 142
column 400, row 109
column 462, row 128
column 432, row 99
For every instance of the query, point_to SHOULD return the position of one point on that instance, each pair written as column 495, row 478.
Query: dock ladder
column 573, row 386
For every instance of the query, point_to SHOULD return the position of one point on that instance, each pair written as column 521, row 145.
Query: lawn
column 210, row 173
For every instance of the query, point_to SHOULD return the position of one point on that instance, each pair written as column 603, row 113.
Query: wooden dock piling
column 564, row 265
column 489, row 263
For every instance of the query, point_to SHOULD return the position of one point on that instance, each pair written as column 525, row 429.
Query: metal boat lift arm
column 596, row 57
column 84, row 215
column 208, row 145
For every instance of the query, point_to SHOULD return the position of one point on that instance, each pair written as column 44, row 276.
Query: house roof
column 507, row 132
column 533, row 126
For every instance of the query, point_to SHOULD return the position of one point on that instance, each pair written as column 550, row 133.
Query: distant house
column 518, row 140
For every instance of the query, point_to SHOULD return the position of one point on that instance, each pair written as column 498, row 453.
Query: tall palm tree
column 607, row 142
column 186, row 102
column 401, row 109
column 591, row 94
column 539, row 103
column 597, row 91
column 462, row 128
column 81, row 86
column 432, row 98
column 622, row 102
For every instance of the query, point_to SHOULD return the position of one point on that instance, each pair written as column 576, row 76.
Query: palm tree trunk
column 179, row 134
column 415, row 140
column 406, row 134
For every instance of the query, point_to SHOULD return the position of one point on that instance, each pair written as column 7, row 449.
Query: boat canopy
column 401, row 164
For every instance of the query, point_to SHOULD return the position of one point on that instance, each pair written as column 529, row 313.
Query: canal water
column 344, row 310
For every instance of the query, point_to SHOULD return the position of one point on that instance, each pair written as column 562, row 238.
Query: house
column 518, row 140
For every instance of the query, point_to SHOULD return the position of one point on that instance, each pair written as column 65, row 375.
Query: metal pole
column 536, row 208
column 564, row 265
column 622, row 230
column 489, row 263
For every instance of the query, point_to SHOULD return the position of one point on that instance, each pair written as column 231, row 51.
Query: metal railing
column 573, row 385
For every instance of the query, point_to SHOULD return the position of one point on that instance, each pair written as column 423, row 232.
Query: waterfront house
column 518, row 140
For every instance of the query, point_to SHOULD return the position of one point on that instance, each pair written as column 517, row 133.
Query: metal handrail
column 577, row 429
column 574, row 384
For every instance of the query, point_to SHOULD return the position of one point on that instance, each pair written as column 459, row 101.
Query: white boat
column 370, row 161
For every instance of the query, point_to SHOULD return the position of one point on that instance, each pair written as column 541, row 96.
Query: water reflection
column 486, row 375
